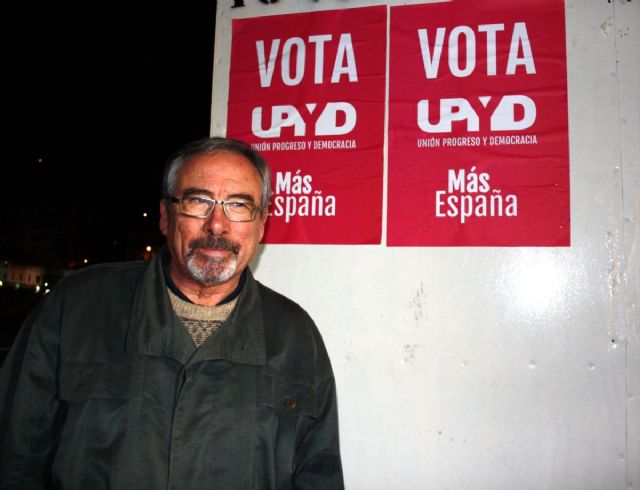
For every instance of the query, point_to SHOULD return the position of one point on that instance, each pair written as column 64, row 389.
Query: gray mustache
column 213, row 241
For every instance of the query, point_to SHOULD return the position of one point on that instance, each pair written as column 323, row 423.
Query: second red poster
column 478, row 131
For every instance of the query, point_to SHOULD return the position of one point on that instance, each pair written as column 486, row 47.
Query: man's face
column 213, row 250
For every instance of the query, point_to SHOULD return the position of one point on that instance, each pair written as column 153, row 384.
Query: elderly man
column 181, row 373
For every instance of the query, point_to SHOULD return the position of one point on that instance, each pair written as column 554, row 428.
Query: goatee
column 212, row 270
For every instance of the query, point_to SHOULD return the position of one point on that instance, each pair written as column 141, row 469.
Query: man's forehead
column 224, row 164
column 223, row 168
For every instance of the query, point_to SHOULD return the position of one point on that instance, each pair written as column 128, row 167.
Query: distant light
column 144, row 215
column 148, row 249
column 46, row 284
column 38, row 289
column 86, row 261
column 1, row 284
column 47, row 291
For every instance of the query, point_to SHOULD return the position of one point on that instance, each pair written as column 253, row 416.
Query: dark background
column 96, row 98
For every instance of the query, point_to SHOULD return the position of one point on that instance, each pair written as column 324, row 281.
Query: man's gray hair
column 211, row 146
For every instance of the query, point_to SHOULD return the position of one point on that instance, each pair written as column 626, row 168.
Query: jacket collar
column 155, row 329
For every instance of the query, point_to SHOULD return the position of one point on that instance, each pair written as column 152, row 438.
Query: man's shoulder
column 121, row 273
column 273, row 300
column 287, row 319
column 292, row 338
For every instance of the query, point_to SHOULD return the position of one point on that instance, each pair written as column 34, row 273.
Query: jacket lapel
column 156, row 330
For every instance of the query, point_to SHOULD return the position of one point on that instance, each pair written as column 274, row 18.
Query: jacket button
column 290, row 403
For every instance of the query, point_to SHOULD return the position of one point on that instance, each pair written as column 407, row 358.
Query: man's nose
column 217, row 222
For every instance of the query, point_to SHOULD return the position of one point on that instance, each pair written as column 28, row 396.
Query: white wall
column 492, row 368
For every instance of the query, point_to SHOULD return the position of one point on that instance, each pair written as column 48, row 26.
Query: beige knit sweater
column 201, row 321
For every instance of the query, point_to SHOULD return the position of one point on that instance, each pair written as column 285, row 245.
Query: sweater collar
column 156, row 330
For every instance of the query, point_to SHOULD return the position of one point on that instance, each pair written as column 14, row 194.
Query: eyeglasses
column 202, row 207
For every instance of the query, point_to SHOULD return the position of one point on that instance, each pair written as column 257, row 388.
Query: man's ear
column 164, row 216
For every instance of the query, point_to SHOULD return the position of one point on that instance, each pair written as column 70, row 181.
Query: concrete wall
column 492, row 368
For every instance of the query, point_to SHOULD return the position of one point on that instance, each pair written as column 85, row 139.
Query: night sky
column 96, row 98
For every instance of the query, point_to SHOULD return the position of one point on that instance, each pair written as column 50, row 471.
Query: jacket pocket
column 85, row 380
column 285, row 398
column 94, row 450
column 291, row 410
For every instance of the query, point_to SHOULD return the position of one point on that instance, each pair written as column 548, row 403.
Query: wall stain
column 417, row 304
column 606, row 26
column 410, row 351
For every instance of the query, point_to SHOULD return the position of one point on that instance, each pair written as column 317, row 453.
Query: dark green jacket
column 104, row 389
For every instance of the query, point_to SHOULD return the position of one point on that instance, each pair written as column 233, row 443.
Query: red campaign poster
column 478, row 131
column 307, row 90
